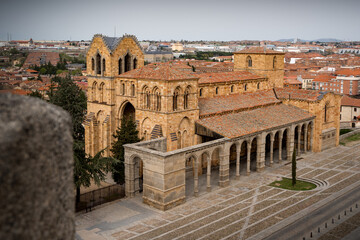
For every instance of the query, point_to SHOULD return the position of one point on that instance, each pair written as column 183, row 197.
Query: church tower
column 262, row 62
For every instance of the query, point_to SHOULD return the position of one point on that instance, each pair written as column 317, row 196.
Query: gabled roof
column 236, row 102
column 218, row 77
column 112, row 42
column 349, row 101
column 258, row 50
column 159, row 71
column 255, row 120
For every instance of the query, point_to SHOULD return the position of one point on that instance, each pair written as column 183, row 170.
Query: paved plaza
column 248, row 208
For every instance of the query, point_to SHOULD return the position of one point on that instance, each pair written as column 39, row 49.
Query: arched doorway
column 253, row 156
column 232, row 163
column 267, row 149
column 128, row 112
column 243, row 158
column 285, row 145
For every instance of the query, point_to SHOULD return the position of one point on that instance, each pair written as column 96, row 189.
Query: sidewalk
column 245, row 208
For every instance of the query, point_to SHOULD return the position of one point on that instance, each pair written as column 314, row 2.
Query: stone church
column 201, row 128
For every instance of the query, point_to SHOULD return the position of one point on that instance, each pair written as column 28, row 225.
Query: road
column 305, row 225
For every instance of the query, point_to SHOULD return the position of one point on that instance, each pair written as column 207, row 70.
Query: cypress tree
column 293, row 167
column 127, row 133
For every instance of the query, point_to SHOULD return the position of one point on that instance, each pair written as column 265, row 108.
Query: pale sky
column 181, row 19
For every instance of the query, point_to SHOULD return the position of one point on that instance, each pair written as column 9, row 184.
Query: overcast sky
column 180, row 19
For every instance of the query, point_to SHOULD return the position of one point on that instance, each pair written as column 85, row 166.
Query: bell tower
column 262, row 62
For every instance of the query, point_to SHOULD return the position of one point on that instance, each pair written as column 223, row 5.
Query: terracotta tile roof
column 291, row 80
column 257, row 50
column 323, row 78
column 348, row 72
column 236, row 102
column 349, row 101
column 299, row 94
column 159, row 71
column 218, row 77
column 34, row 58
column 256, row 120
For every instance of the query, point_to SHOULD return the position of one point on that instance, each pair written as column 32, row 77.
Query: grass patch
column 286, row 183
column 343, row 131
column 353, row 138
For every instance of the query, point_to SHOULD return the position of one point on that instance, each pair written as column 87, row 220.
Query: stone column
column 238, row 152
column 196, row 178
column 248, row 158
column 224, row 170
column 208, row 175
column 271, row 150
column 299, row 142
column 305, row 138
column 280, row 146
column 37, row 182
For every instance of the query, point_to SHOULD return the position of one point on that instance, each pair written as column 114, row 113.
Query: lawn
column 353, row 138
column 343, row 131
column 286, row 183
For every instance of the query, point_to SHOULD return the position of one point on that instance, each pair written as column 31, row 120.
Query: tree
column 36, row 94
column 127, row 133
column 293, row 167
column 87, row 167
column 72, row 99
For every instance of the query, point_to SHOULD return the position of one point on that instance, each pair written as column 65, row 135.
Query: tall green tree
column 72, row 99
column 87, row 168
column 127, row 133
column 293, row 167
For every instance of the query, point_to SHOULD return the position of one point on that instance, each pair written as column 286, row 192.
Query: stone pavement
column 244, row 209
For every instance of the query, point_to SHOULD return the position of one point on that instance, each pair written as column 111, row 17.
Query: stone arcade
column 201, row 128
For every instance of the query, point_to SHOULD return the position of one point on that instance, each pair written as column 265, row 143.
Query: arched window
column 245, row 87
column 274, row 62
column 93, row 91
column 176, row 99
column 148, row 100
column 201, row 92
column 146, row 97
column 157, row 99
column 133, row 90
column 186, row 99
column 92, row 64
column 249, row 61
column 127, row 62
column 216, row 90
column 135, row 63
column 158, row 102
column 123, row 89
column 232, row 88
column 258, row 86
column 120, row 66
column 98, row 64
column 101, row 88
column 103, row 65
